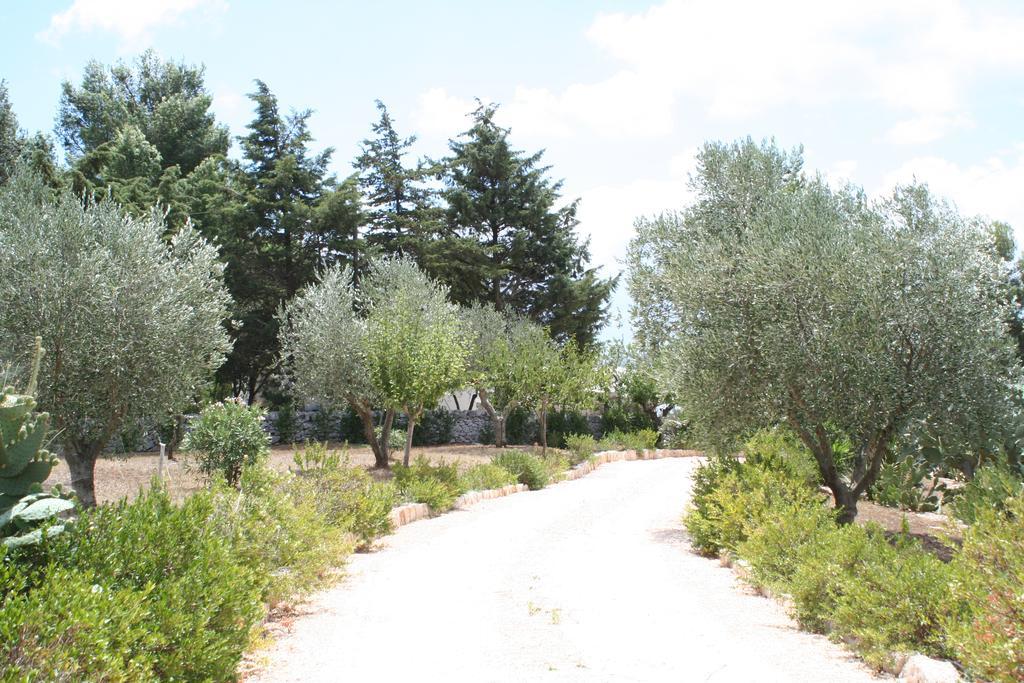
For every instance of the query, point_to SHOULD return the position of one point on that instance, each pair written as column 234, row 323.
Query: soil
column 934, row 531
column 123, row 476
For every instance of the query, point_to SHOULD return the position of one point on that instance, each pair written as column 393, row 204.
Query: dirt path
column 590, row 580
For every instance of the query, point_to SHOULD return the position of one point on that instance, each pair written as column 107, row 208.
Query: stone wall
column 468, row 427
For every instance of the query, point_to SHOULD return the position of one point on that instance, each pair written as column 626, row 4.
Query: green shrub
column 350, row 427
column 486, row 476
column 226, row 437
column 617, row 417
column 525, row 467
column 562, row 423
column 990, row 489
column 346, row 496
column 784, row 531
column 581, row 446
column 286, row 423
column 821, row 569
column 645, row 439
column 521, row 428
column 738, row 502
column 396, row 438
column 894, row 601
column 436, row 485
column 325, row 424
column 433, row 428
column 200, row 601
column 275, row 527
column 701, row 518
column 74, row 627
column 985, row 631
column 901, row 484
column 780, row 449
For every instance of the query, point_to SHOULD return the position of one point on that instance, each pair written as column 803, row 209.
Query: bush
column 901, row 484
column 780, row 449
column 486, row 476
column 581, row 446
column 434, row 428
column 990, row 489
column 72, row 629
column 520, row 428
column 275, row 527
column 642, row 440
column 617, row 417
column 286, row 423
column 894, row 601
column 346, row 496
column 396, row 438
column 822, row 568
column 701, row 518
column 168, row 572
column 784, row 531
column 986, row 628
column 525, row 467
column 350, row 427
column 325, row 424
column 740, row 499
column 226, row 437
column 562, row 423
column 436, row 485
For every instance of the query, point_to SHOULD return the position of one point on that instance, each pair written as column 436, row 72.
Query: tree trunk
column 378, row 446
column 497, row 421
column 82, row 464
column 408, row 438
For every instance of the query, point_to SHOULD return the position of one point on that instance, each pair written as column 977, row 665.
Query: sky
column 619, row 93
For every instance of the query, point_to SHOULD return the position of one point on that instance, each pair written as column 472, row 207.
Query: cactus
column 25, row 465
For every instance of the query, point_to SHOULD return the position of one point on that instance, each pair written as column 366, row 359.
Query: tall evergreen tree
column 288, row 218
column 168, row 102
column 505, row 241
column 10, row 138
column 138, row 130
column 401, row 214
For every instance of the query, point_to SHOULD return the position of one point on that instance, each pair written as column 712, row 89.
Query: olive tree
column 415, row 345
column 500, row 362
column 132, row 323
column 324, row 345
column 776, row 299
column 566, row 377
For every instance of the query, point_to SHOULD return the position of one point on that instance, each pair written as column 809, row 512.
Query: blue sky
column 619, row 92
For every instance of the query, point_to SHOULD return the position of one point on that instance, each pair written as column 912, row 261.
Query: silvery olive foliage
column 416, row 346
column 502, row 361
column 775, row 298
column 132, row 323
column 324, row 346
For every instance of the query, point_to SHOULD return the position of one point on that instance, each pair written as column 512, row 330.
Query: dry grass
column 124, row 475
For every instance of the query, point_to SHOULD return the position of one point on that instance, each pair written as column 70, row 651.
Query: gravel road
column 589, row 580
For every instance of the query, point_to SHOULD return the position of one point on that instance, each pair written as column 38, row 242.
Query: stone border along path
column 588, row 581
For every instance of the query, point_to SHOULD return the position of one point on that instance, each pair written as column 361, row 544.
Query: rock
column 921, row 669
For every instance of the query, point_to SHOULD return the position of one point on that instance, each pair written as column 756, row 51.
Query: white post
column 160, row 467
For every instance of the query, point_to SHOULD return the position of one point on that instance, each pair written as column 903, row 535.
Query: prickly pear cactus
column 25, row 465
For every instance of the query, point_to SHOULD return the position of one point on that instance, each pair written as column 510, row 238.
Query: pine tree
column 401, row 213
column 507, row 243
column 287, row 219
column 10, row 138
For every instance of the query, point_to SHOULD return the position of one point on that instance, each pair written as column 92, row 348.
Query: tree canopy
column 508, row 242
column 131, row 322
column 775, row 298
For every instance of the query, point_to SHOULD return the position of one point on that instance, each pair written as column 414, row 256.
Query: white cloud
column 991, row 188
column 924, row 129
column 607, row 212
column 131, row 20
column 736, row 59
column 439, row 113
